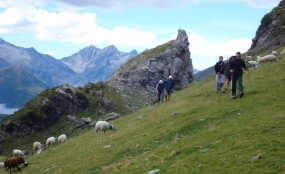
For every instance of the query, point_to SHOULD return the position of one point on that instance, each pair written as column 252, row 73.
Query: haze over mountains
column 90, row 64
column 97, row 64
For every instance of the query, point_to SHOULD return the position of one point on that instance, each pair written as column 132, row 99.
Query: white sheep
column 17, row 152
column 266, row 58
column 102, row 127
column 252, row 64
column 62, row 138
column 275, row 53
column 2, row 165
column 50, row 141
column 282, row 53
column 39, row 151
column 37, row 147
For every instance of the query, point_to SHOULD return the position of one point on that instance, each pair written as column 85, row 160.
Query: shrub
column 266, row 20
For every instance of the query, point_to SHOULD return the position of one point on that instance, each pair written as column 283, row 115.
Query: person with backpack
column 220, row 69
column 236, row 66
column 169, row 85
column 227, row 73
column 159, row 90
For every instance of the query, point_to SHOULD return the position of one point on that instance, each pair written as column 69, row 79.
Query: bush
column 266, row 20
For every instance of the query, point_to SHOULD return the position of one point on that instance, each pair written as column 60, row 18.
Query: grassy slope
column 198, row 131
column 61, row 126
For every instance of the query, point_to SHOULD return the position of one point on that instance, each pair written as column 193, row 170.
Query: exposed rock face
column 65, row 101
column 139, row 79
column 271, row 32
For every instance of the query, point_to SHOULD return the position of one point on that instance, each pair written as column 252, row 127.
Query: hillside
column 17, row 87
column 136, row 80
column 198, row 131
column 270, row 34
column 67, row 109
column 204, row 73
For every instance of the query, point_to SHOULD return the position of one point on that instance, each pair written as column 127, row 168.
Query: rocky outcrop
column 47, row 108
column 271, row 33
column 139, row 76
column 46, row 112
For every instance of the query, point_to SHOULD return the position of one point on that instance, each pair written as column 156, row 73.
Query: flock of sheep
column 15, row 162
column 271, row 57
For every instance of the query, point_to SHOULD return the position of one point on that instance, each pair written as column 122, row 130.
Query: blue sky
column 63, row 27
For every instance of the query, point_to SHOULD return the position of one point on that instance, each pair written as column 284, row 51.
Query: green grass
column 198, row 131
column 24, row 141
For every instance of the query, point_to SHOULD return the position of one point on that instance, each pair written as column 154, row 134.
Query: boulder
column 71, row 118
column 112, row 116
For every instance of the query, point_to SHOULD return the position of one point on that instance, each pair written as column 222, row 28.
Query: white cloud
column 211, row 47
column 51, row 53
column 123, row 4
column 163, row 4
column 205, row 51
column 4, row 110
column 262, row 3
column 69, row 27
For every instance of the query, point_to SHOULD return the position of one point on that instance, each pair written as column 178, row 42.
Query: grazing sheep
column 252, row 64
column 62, row 138
column 266, row 58
column 37, row 147
column 102, row 127
column 50, row 141
column 282, row 53
column 275, row 53
column 17, row 152
column 14, row 162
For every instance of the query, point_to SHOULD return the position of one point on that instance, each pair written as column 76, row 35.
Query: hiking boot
column 233, row 97
column 241, row 94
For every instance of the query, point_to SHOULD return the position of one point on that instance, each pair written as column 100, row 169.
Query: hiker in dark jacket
column 169, row 85
column 236, row 66
column 159, row 90
column 219, row 69
column 227, row 73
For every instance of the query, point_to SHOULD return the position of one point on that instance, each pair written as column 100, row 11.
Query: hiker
column 169, row 85
column 236, row 66
column 219, row 69
column 227, row 74
column 159, row 90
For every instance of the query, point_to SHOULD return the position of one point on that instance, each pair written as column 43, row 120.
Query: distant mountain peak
column 111, row 48
column 97, row 64
column 134, row 52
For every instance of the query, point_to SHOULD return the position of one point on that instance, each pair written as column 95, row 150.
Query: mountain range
column 97, row 64
column 90, row 64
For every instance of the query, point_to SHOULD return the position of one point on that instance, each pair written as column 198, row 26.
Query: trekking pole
column 249, row 81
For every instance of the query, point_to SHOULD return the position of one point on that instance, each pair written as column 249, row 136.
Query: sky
column 61, row 28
